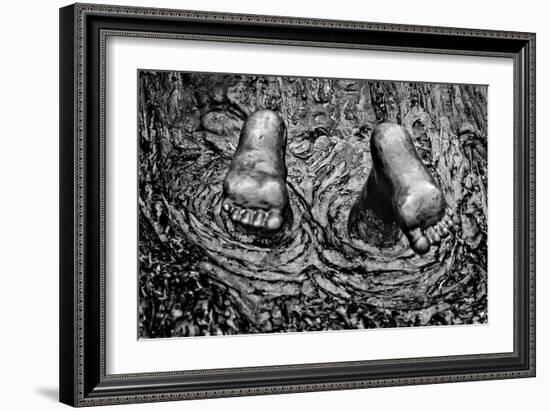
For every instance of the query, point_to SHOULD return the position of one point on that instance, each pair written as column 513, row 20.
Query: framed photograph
column 261, row 204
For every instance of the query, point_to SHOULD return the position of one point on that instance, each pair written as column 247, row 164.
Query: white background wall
column 29, row 204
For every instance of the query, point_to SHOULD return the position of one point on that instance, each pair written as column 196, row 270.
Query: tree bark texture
column 198, row 277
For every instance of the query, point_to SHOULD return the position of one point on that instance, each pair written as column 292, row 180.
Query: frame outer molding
column 73, row 193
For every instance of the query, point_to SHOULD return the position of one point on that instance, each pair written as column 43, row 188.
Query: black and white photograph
column 275, row 206
column 271, row 204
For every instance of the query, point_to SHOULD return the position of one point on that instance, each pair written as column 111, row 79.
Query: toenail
column 273, row 222
column 259, row 219
column 422, row 245
column 245, row 217
column 415, row 234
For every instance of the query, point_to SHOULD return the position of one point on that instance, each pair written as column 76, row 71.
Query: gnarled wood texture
column 198, row 277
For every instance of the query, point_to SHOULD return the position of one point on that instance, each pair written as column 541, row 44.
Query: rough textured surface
column 199, row 277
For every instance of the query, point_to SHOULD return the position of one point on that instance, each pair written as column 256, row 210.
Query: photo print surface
column 292, row 204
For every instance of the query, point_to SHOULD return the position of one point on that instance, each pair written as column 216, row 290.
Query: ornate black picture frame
column 83, row 31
